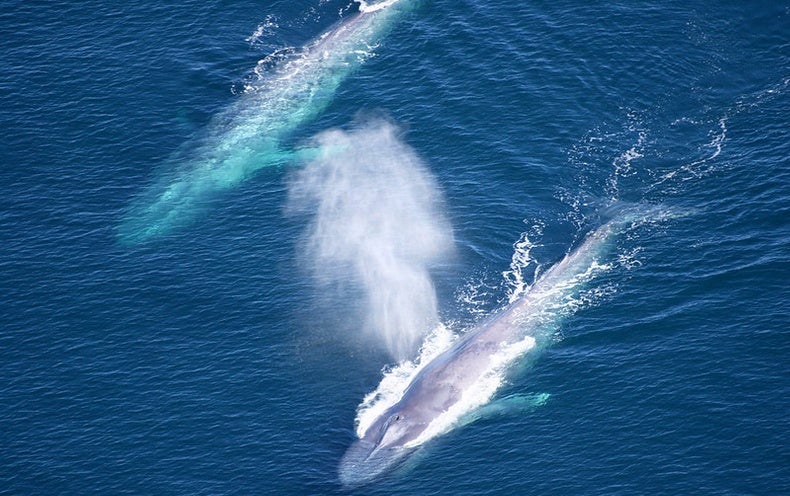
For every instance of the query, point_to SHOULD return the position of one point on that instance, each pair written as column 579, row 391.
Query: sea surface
column 456, row 153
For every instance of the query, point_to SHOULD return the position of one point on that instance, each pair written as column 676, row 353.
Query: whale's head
column 384, row 445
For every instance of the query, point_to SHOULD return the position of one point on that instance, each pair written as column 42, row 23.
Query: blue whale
column 440, row 385
column 250, row 135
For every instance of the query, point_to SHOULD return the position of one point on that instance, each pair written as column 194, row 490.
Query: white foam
column 476, row 294
column 622, row 163
column 265, row 29
column 521, row 260
column 294, row 69
column 479, row 393
column 396, row 379
column 628, row 259
column 366, row 7
column 700, row 167
column 761, row 97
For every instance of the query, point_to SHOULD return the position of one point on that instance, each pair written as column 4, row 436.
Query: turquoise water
column 472, row 145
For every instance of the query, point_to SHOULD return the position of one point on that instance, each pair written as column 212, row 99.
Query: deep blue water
column 209, row 360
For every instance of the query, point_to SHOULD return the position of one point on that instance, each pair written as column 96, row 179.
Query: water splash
column 365, row 6
column 622, row 164
column 263, row 30
column 397, row 377
column 377, row 219
column 480, row 392
column 700, row 167
column 521, row 260
column 476, row 294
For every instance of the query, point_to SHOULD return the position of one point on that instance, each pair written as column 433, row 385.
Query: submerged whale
column 252, row 133
column 439, row 387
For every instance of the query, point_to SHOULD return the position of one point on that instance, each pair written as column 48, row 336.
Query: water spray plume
column 377, row 219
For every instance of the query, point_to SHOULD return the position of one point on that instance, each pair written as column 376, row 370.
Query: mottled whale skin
column 441, row 383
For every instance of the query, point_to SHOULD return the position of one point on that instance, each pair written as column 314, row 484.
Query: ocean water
column 425, row 170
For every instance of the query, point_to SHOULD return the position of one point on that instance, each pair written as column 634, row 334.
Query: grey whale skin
column 441, row 383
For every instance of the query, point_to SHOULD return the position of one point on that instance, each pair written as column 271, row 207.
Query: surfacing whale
column 250, row 134
column 439, row 387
